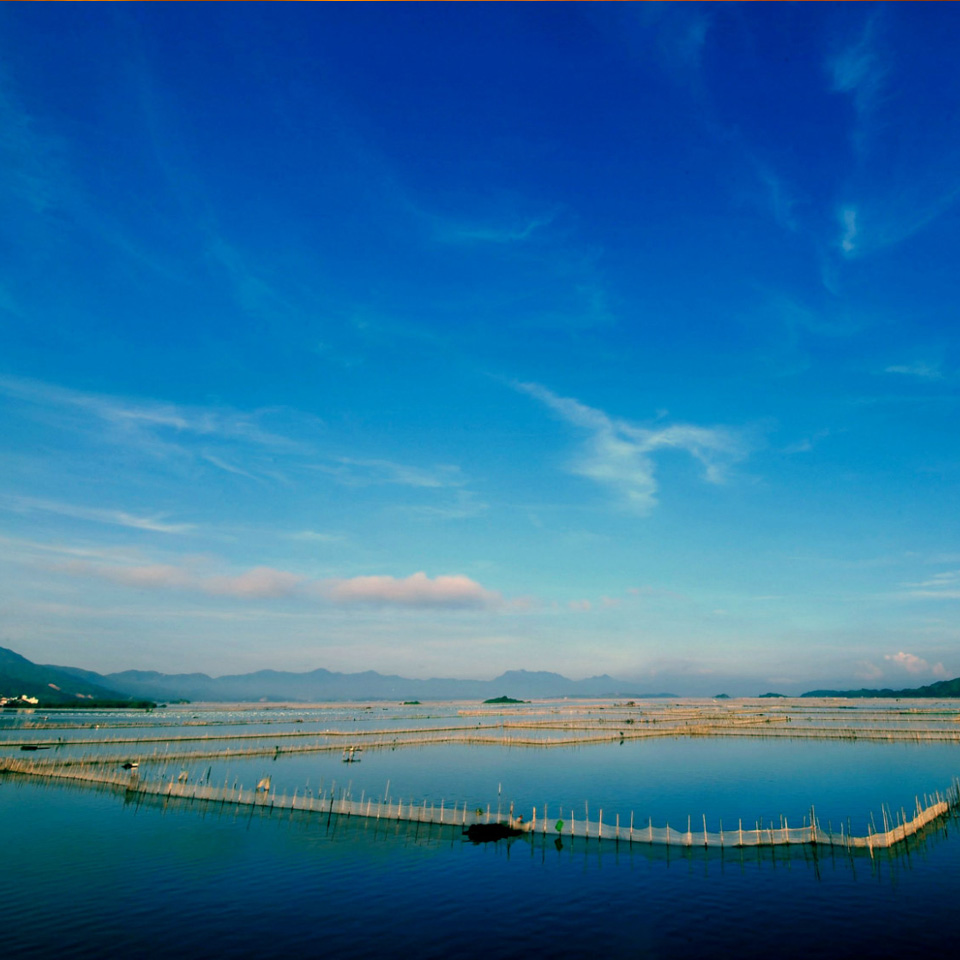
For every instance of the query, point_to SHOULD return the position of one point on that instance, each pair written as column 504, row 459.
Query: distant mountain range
column 56, row 684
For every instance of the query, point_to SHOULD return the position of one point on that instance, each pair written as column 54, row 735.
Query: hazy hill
column 316, row 685
column 52, row 685
column 274, row 685
column 942, row 689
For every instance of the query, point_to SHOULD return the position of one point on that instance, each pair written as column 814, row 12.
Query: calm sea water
column 87, row 874
column 666, row 780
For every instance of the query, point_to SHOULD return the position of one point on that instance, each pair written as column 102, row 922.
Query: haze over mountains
column 65, row 684
column 58, row 685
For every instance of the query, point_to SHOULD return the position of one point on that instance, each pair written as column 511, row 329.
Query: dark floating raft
column 485, row 832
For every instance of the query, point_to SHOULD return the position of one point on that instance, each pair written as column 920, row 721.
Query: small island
column 504, row 700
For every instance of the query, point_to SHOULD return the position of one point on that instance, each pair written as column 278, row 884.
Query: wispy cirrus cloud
column 315, row 536
column 849, row 230
column 941, row 586
column 806, row 444
column 778, row 197
column 355, row 471
column 677, row 34
column 502, row 233
column 620, row 455
column 461, row 505
column 859, row 70
column 21, row 549
column 505, row 225
column 34, row 171
column 120, row 518
column 919, row 368
column 228, row 467
column 253, row 293
column 906, row 176
column 671, row 36
column 146, row 419
column 881, row 222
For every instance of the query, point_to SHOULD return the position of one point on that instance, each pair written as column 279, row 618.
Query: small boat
column 131, row 765
column 350, row 755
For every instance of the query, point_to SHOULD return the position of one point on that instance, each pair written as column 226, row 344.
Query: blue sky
column 442, row 340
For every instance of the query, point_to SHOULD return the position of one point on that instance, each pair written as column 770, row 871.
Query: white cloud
column 914, row 664
column 619, row 455
column 418, row 591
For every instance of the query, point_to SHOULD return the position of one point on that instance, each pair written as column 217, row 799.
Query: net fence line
column 897, row 826
column 482, row 735
column 709, row 718
column 560, row 718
